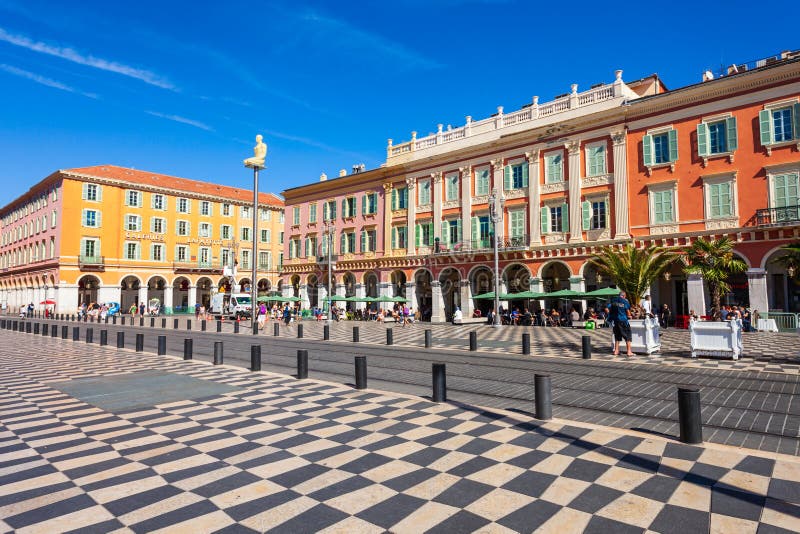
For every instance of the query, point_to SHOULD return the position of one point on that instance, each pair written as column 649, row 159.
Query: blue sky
column 183, row 87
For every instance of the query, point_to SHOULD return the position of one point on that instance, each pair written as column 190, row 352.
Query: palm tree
column 715, row 261
column 790, row 260
column 633, row 269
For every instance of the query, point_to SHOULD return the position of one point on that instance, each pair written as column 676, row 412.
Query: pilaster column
column 535, row 232
column 387, row 219
column 578, row 283
column 361, row 292
column 56, row 296
column 621, row 230
column 68, row 302
column 497, row 185
column 575, row 213
column 757, row 287
column 322, row 296
column 696, row 295
column 537, row 287
column 384, row 289
column 192, row 298
column 411, row 295
column 467, row 305
column 411, row 210
column 287, row 290
column 436, row 191
column 168, row 304
column 340, row 290
column 304, row 302
column 106, row 294
column 142, row 296
column 466, row 204
column 437, row 301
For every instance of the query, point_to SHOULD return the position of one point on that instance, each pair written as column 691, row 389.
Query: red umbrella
column 48, row 301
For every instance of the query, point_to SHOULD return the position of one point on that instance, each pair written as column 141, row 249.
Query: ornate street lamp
column 256, row 163
column 495, row 214
column 329, row 233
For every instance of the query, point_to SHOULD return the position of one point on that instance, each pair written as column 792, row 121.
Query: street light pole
column 495, row 203
column 329, row 233
column 256, row 163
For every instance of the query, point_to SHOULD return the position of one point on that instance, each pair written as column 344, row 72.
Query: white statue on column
column 259, row 154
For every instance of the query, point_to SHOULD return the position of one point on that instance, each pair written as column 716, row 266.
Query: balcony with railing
column 534, row 113
column 783, row 216
column 91, row 263
column 207, row 267
column 505, row 243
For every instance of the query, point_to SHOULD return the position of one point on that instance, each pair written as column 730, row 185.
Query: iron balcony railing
column 504, row 243
column 778, row 216
column 196, row 266
column 91, row 262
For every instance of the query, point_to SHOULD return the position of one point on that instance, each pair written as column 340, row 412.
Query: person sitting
column 590, row 319
column 555, row 318
column 379, row 316
column 526, row 319
column 458, row 317
column 574, row 316
column 476, row 314
column 515, row 316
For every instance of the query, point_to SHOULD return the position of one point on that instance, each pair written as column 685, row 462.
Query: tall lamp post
column 495, row 213
column 329, row 231
column 256, row 163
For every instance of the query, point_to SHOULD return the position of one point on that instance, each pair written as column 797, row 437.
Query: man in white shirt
column 647, row 305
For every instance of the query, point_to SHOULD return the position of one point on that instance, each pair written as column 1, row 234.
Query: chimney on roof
column 342, row 173
column 359, row 168
column 708, row 75
column 323, row 177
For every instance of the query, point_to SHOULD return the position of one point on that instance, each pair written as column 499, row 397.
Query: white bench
column 716, row 338
column 644, row 336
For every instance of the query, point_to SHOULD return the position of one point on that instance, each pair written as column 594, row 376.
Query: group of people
column 142, row 309
column 93, row 309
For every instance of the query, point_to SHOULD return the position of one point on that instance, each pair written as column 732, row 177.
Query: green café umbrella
column 503, row 296
column 338, row 298
column 399, row 299
column 382, row 298
column 273, row 298
column 605, row 292
column 563, row 294
column 525, row 295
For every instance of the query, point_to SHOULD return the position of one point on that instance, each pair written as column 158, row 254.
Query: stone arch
column 224, row 285
column 398, row 280
column 264, row 287
column 203, row 291
column 180, row 293
column 547, row 264
column 481, row 280
column 312, row 290
column 87, row 289
column 516, row 278
column 450, row 287
column 294, row 283
column 244, row 285
column 423, row 286
column 156, row 286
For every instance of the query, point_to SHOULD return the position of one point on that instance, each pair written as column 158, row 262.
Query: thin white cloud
column 32, row 76
column 182, row 120
column 74, row 56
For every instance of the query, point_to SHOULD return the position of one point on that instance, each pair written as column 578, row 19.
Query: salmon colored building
column 111, row 234
column 620, row 162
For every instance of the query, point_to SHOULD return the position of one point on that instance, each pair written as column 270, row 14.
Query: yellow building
column 111, row 234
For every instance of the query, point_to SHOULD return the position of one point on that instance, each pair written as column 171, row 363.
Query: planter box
column 644, row 336
column 716, row 338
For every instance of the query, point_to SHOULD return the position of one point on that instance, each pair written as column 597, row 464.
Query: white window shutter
column 565, row 217
column 99, row 218
column 84, row 191
column 545, row 219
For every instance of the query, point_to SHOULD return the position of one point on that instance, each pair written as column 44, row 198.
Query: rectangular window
column 329, row 210
column 424, row 192
column 596, row 160
column 205, row 230
column 451, row 186
column 53, row 219
column 267, row 235
column 661, row 148
column 311, row 246
column 226, row 210
column 245, row 259
column 720, row 198
column 296, row 216
column 133, row 198
column 453, row 231
column 554, row 168
column 157, row 225
column 484, row 231
column 157, row 202
column 157, row 252
column 205, row 257
column 424, row 234
column 782, row 125
column 91, row 218
column 348, row 207
column 312, row 213
column 205, row 208
column 717, row 138
column 225, row 254
column 785, row 190
column 268, row 215
column 90, row 248
column 225, row 231
column 133, row 223
column 131, row 251
column 517, row 224
column 556, row 219
column 245, row 234
column 183, row 205
column 181, row 253
column 399, row 198
column 482, row 182
column 594, row 214
column 263, row 261
column 264, row 236
column 182, row 228
column 662, row 207
column 246, row 212
column 402, row 237
column 515, row 176
column 91, row 192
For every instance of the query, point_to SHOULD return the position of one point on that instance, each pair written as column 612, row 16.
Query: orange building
column 111, row 234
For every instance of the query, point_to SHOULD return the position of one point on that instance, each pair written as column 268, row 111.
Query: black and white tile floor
column 93, row 440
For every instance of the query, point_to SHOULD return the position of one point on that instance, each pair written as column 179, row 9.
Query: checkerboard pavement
column 275, row 454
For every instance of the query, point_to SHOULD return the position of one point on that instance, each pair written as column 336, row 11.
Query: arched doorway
column 783, row 292
column 87, row 289
column 422, row 283
column 180, row 294
column 155, row 291
column 516, row 279
column 313, row 292
column 129, row 294
column 224, row 285
column 295, row 286
column 450, row 285
column 371, row 289
column 398, row 279
column 349, row 281
column 203, row 290
column 264, row 287
column 480, row 281
column 244, row 286
column 555, row 277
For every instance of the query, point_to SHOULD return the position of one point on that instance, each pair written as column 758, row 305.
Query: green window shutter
column 726, row 208
column 673, row 145
column 405, row 196
column 732, row 136
column 545, row 219
column 364, row 239
column 507, row 178
column 565, row 217
column 394, row 237
column 475, row 234
column 668, row 205
column 517, row 223
column 586, row 208
column 445, row 239
column 525, row 174
column 138, row 252
column 325, row 211
column 702, row 139
column 394, row 199
column 418, row 235
column 780, row 190
column 647, row 150
column 765, row 122
column 714, row 190
column 364, row 204
column 458, row 231
column 344, row 209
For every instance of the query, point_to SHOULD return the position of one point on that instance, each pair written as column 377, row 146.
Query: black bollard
column 255, row 357
column 276, row 329
column 188, row 324
column 76, row 333
column 439, row 383
column 162, row 345
column 326, row 332
column 526, row 343
column 120, row 340
column 73, row 317
column 299, row 331
column 114, row 320
column 356, row 334
column 236, row 327
column 106, row 319
column 187, row 348
column 64, row 332
column 86, row 318
column 390, row 336
column 28, row 327
column 473, row 341
column 586, row 347
column 103, row 338
column 139, row 342
column 89, row 335
column 543, row 397
column 428, row 338
column 203, row 325
column 54, row 331
column 141, row 321
column 122, row 320
column 218, row 357
column 45, row 328
column 36, row 328
column 302, row 364
column 219, row 326
column 361, row 372
column 689, row 419
column 163, row 322
column 15, row 325
column 152, row 322
column 255, row 328
column 175, row 323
